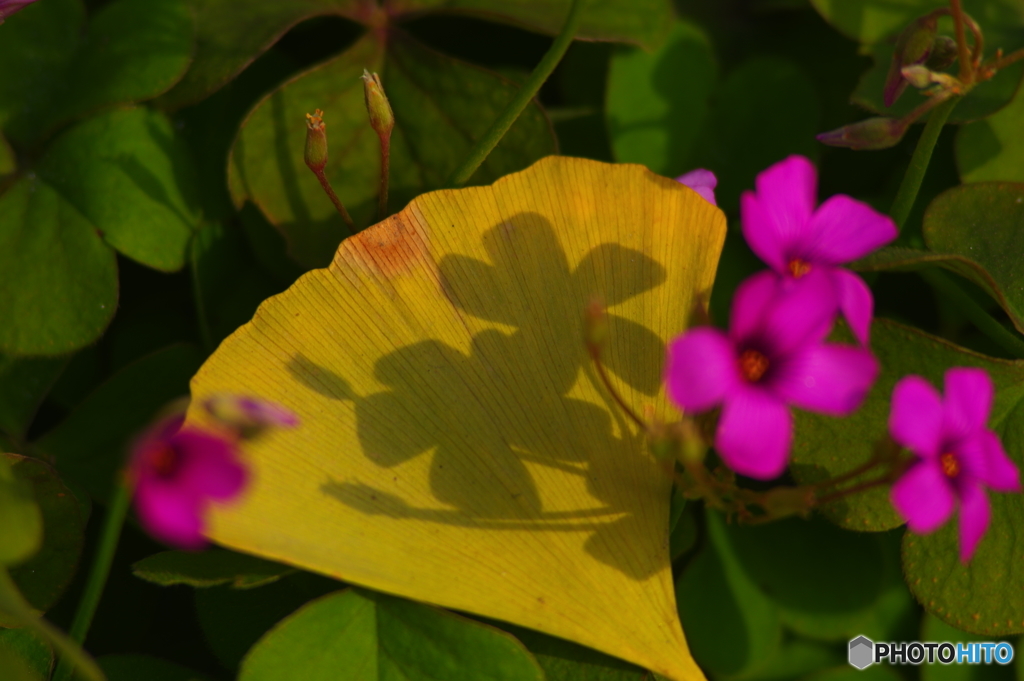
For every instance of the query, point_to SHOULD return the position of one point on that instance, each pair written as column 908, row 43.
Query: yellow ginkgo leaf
column 456, row 445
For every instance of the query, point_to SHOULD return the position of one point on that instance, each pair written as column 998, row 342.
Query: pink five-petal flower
column 701, row 181
column 958, row 457
column 177, row 473
column 784, row 226
column 773, row 356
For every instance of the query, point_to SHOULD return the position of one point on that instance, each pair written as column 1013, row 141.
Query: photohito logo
column 865, row 652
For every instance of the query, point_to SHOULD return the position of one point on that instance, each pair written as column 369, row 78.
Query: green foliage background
column 152, row 194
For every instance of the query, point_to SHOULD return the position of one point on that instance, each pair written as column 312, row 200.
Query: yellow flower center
column 799, row 268
column 950, row 466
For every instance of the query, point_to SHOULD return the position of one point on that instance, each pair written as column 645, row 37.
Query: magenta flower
column 783, row 227
column 177, row 473
column 958, row 457
column 774, row 355
column 701, row 181
column 9, row 7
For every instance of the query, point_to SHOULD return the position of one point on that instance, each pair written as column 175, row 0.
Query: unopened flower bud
column 382, row 119
column 944, row 53
column 316, row 141
column 872, row 133
column 917, row 75
column 912, row 47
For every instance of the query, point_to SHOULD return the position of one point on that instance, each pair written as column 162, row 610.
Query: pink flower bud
column 912, row 47
column 871, row 133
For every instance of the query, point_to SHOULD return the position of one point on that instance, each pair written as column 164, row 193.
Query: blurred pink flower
column 774, row 355
column 701, row 181
column 783, row 227
column 177, row 473
column 9, row 7
column 958, row 457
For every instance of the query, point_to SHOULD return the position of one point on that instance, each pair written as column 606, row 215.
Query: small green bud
column 944, row 53
column 872, row 133
column 912, row 47
column 316, row 141
column 382, row 119
column 917, row 75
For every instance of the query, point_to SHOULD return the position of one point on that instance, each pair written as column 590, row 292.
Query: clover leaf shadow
column 490, row 415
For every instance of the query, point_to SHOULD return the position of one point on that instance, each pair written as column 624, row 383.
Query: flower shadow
column 522, row 434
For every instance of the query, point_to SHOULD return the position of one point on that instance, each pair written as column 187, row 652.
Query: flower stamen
column 753, row 365
column 950, row 466
column 798, row 267
column 164, row 460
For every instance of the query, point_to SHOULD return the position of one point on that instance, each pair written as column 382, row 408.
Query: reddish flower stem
column 966, row 71
column 335, row 200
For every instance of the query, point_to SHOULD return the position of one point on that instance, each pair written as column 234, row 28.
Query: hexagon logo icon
column 861, row 652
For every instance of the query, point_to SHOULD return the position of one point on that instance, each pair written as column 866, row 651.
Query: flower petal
column 984, row 457
column 975, row 514
column 855, row 302
column 967, row 402
column 210, row 465
column 701, row 368
column 827, row 378
column 801, row 313
column 754, row 433
column 844, row 229
column 788, row 192
column 170, row 515
column 750, row 302
column 924, row 497
column 761, row 234
column 916, row 417
column 701, row 181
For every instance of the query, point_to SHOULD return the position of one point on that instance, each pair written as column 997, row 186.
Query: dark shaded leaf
column 441, row 107
column 90, row 445
column 59, row 289
column 982, row 224
column 232, row 33
column 209, row 568
column 132, row 50
column 992, row 149
column 731, row 626
column 19, row 514
column 131, row 667
column 43, row 578
column 24, row 382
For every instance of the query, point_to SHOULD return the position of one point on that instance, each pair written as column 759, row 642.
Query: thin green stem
column 13, row 604
column 116, row 513
column 911, row 184
column 985, row 323
column 486, row 144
